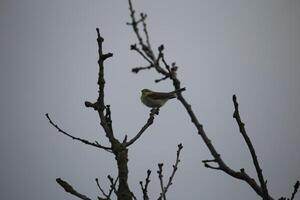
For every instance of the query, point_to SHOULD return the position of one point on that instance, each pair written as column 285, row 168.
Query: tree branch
column 112, row 188
column 161, row 181
column 112, row 185
column 102, row 191
column 68, row 188
column 160, row 175
column 149, row 122
column 205, row 162
column 145, row 46
column 137, row 69
column 145, row 188
column 241, row 125
column 100, row 105
column 135, row 48
column 95, row 144
column 134, row 23
column 296, row 187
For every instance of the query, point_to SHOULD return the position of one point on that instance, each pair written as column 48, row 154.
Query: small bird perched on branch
column 158, row 99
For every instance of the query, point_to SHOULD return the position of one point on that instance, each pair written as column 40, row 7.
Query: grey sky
column 48, row 60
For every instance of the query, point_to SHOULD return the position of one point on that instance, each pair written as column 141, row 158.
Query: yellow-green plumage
column 157, row 99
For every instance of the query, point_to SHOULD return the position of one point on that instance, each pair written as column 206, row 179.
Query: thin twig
column 137, row 69
column 161, row 79
column 150, row 120
column 145, row 188
column 144, row 16
column 135, row 48
column 95, row 144
column 134, row 23
column 296, row 187
column 205, row 162
column 68, row 188
column 112, row 185
column 100, row 188
column 241, row 125
column 133, row 196
column 145, row 47
column 175, row 167
column 161, row 181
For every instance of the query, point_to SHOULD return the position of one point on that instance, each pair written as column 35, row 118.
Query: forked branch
column 145, row 187
column 111, row 190
column 164, row 189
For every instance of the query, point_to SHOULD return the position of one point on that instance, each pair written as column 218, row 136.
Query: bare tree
column 156, row 61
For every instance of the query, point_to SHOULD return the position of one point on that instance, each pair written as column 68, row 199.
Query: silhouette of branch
column 171, row 74
column 134, row 23
column 145, row 188
column 118, row 149
column 241, row 125
column 133, row 196
column 135, row 48
column 105, row 119
column 161, row 181
column 149, row 122
column 112, row 185
column 164, row 189
column 205, row 162
column 112, row 188
column 95, row 144
column 102, row 109
column 296, row 187
column 69, row 189
column 100, row 188
column 146, row 47
column 137, row 69
column 143, row 17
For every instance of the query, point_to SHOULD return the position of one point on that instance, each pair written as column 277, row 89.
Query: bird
column 154, row 99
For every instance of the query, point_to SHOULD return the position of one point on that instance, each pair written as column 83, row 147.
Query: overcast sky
column 48, row 60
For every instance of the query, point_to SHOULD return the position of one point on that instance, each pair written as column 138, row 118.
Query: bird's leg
column 155, row 111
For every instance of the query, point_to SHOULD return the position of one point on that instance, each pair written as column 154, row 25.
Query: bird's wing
column 161, row 95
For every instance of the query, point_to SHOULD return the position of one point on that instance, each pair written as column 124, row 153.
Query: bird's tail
column 176, row 92
column 179, row 90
